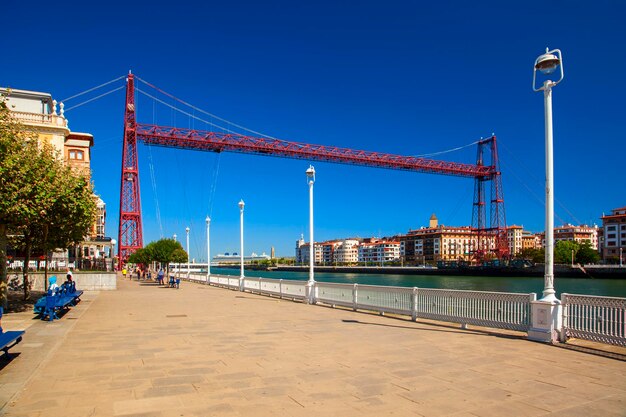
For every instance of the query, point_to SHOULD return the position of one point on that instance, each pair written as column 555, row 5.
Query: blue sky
column 402, row 77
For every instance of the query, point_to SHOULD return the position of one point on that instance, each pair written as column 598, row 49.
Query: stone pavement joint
column 149, row 351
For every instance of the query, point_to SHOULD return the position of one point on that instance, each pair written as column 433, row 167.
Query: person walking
column 124, row 272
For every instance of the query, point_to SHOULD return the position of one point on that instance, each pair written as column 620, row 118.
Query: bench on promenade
column 9, row 339
column 61, row 298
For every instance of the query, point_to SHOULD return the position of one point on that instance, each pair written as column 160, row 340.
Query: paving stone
column 210, row 351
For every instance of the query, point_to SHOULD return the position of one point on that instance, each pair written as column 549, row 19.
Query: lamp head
column 187, row 229
column 547, row 63
column 113, row 242
column 241, row 204
column 208, row 220
column 310, row 173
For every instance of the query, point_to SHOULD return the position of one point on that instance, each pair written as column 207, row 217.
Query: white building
column 379, row 252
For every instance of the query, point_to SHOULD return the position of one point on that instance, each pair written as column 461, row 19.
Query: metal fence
column 490, row 309
column 595, row 318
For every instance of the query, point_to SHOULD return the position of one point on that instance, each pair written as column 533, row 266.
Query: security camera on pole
column 546, row 312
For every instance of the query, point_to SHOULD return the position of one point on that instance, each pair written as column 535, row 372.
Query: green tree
column 563, row 251
column 535, row 255
column 165, row 251
column 140, row 256
column 586, row 254
column 43, row 202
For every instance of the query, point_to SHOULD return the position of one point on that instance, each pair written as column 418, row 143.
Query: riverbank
column 560, row 271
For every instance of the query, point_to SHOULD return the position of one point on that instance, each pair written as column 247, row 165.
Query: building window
column 76, row 154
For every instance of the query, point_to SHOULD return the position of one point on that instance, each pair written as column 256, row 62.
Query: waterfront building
column 37, row 112
column 514, row 238
column 440, row 243
column 578, row 234
column 379, row 251
column 303, row 252
column 346, row 252
column 530, row 240
column 614, row 233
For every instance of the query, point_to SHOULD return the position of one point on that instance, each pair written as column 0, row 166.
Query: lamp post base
column 546, row 320
column 310, row 292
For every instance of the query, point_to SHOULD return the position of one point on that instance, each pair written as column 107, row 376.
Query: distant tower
column 433, row 221
column 272, row 253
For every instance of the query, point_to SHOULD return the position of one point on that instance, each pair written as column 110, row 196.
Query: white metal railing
column 600, row 319
column 480, row 308
column 490, row 309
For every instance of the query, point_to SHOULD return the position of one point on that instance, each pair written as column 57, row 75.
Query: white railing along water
column 489, row 309
column 599, row 319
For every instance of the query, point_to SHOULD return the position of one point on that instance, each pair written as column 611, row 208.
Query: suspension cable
column 94, row 98
column 184, row 112
column 92, row 89
column 154, row 189
column 203, row 111
column 428, row 155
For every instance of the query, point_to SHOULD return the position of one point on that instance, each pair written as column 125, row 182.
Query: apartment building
column 346, row 252
column 614, row 234
column 439, row 243
column 578, row 234
column 379, row 251
column 514, row 238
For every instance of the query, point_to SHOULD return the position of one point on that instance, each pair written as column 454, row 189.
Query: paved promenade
column 149, row 351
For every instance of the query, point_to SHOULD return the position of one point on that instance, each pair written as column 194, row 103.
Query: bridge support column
column 546, row 322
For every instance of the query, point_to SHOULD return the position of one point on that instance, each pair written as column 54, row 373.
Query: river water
column 604, row 287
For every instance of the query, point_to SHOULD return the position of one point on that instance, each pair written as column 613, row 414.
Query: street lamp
column 547, row 64
column 187, row 231
column 241, row 275
column 310, row 174
column 208, row 250
column 620, row 257
column 174, row 237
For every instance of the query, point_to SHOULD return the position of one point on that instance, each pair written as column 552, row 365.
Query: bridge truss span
column 174, row 137
column 492, row 235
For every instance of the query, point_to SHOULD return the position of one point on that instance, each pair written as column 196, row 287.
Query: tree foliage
column 43, row 202
column 586, row 254
column 140, row 256
column 563, row 250
column 165, row 251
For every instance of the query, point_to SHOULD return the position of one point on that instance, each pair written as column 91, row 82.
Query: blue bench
column 60, row 298
column 9, row 339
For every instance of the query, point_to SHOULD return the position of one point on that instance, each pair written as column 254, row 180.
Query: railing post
column 280, row 288
column 546, row 319
column 414, row 304
column 565, row 307
column 260, row 285
column 355, row 296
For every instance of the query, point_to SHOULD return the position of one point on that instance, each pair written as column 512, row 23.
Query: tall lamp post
column 208, row 250
column 310, row 174
column 187, row 231
column 241, row 274
column 547, row 64
column 620, row 257
column 546, row 312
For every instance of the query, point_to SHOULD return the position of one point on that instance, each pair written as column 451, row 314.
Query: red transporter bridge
column 491, row 239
